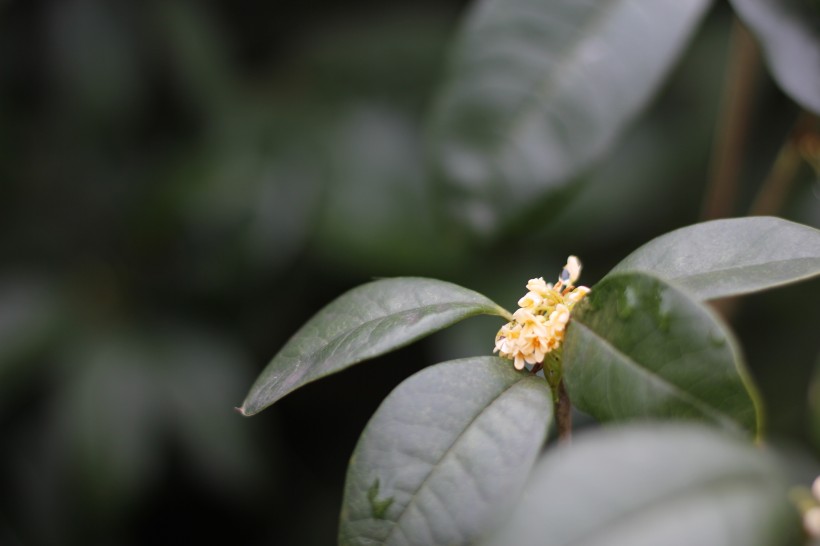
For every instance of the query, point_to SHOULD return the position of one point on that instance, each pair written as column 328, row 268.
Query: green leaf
column 368, row 321
column 789, row 34
column 638, row 347
column 648, row 485
column 539, row 89
column 445, row 454
column 730, row 257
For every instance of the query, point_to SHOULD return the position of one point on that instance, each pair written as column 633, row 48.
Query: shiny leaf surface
column 730, row 257
column 640, row 348
column 365, row 322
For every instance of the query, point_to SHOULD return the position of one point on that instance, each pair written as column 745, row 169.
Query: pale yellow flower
column 531, row 300
column 539, row 286
column 538, row 325
column 560, row 317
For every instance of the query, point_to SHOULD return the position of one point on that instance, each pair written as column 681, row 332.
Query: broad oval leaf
column 538, row 89
column 730, row 257
column 789, row 34
column 640, row 348
column 445, row 455
column 648, row 485
column 365, row 322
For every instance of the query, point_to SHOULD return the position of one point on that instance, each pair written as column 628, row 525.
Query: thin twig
column 778, row 184
column 736, row 106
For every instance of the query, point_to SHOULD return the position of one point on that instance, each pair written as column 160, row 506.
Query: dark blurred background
column 183, row 183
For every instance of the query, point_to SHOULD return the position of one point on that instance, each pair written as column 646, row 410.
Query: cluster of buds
column 538, row 325
column 811, row 517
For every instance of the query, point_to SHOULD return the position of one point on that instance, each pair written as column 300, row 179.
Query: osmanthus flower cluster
column 539, row 324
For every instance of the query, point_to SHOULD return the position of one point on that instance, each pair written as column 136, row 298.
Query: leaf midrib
column 304, row 364
column 755, row 267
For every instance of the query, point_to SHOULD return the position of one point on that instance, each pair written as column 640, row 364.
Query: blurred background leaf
column 655, row 483
column 537, row 90
column 789, row 34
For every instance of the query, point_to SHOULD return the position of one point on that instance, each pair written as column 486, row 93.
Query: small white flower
column 539, row 286
column 560, row 317
column 531, row 300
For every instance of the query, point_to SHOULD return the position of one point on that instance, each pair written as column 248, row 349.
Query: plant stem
column 563, row 414
column 736, row 107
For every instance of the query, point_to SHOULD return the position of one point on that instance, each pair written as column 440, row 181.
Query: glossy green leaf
column 366, row 322
column 640, row 348
column 539, row 89
column 730, row 257
column 650, row 485
column 445, row 454
column 789, row 34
